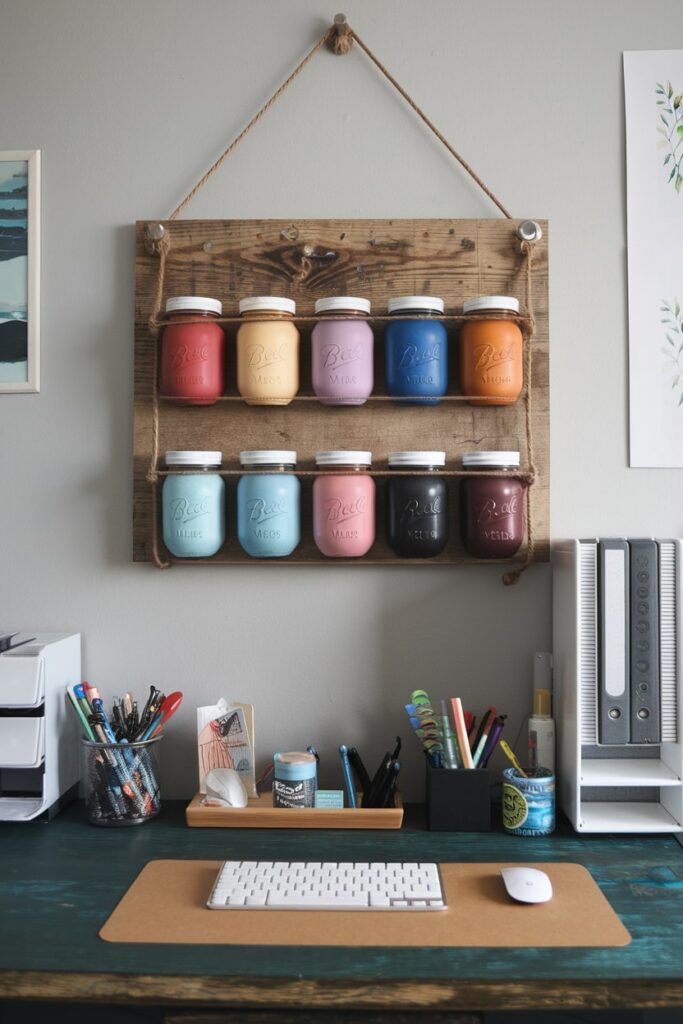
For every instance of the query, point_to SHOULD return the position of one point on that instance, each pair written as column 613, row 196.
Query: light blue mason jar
column 268, row 504
column 193, row 505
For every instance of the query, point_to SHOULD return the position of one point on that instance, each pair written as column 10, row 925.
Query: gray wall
column 129, row 103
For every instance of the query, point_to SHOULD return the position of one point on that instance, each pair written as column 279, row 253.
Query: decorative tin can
column 529, row 802
column 295, row 776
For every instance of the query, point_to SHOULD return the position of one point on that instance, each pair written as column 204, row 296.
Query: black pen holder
column 458, row 799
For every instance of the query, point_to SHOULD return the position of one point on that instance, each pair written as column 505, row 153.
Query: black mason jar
column 417, row 504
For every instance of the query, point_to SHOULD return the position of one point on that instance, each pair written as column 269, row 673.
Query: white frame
column 32, row 384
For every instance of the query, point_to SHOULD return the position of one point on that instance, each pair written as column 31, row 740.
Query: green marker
column 87, row 731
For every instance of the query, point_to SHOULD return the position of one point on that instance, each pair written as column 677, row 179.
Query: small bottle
column 267, row 351
column 268, row 501
column 416, row 351
column 541, row 724
column 344, row 504
column 491, row 347
column 417, row 505
column 193, row 505
column 342, row 351
column 192, row 354
column 491, row 507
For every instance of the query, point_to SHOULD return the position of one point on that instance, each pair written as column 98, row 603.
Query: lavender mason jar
column 342, row 346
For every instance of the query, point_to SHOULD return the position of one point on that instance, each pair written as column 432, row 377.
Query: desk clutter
column 229, row 791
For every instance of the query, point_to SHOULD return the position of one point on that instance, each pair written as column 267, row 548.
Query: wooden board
column 479, row 913
column 305, row 260
column 260, row 813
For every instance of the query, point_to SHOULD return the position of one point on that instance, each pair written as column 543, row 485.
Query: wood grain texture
column 455, row 259
column 260, row 813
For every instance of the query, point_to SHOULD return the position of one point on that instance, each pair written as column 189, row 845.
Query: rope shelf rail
column 457, row 258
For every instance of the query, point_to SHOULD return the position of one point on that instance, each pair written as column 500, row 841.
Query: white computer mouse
column 527, row 885
column 225, row 788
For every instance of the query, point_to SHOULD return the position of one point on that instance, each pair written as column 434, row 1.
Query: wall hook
column 154, row 232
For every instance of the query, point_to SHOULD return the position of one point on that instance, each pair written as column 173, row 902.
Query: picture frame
column 19, row 271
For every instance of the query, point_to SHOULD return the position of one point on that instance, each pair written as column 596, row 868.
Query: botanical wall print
column 19, row 270
column 653, row 81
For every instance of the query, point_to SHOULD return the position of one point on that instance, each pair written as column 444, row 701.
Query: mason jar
column 417, row 504
column 492, row 507
column 342, row 367
column 416, row 351
column 267, row 351
column 193, row 504
column 491, row 350
column 268, row 504
column 192, row 354
column 344, row 504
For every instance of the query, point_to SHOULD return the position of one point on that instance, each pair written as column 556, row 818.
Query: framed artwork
column 654, row 163
column 19, row 270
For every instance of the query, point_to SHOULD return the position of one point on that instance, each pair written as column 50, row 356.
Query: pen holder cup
column 529, row 802
column 458, row 799
column 121, row 782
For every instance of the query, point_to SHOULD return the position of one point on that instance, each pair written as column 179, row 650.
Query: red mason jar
column 193, row 354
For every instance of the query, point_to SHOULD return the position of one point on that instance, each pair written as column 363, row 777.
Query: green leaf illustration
column 679, row 182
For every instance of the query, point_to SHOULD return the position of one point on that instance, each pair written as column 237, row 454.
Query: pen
column 487, row 719
column 479, row 750
column 89, row 735
column 492, row 741
column 348, row 781
column 359, row 770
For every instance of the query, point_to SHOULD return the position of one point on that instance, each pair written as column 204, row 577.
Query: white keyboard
column 326, row 885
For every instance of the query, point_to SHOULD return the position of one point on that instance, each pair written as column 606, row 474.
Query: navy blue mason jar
column 416, row 351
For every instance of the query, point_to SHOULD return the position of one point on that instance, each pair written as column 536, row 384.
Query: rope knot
column 340, row 36
column 152, row 476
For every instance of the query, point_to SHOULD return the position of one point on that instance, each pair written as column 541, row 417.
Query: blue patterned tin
column 529, row 803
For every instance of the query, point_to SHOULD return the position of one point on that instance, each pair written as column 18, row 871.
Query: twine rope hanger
column 339, row 39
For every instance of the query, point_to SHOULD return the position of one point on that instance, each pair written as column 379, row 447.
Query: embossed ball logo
column 515, row 807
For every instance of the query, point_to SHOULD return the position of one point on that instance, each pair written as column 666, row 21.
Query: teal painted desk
column 59, row 882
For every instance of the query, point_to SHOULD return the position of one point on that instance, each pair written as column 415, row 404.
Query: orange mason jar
column 267, row 351
column 491, row 348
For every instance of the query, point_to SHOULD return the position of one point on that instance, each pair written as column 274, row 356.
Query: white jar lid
column 342, row 302
column 339, row 458
column 267, row 304
column 200, row 303
column 194, row 458
column 268, row 458
column 419, row 303
column 498, row 460
column 504, row 303
column 417, row 458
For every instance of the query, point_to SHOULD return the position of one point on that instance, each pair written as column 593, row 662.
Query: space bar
column 315, row 902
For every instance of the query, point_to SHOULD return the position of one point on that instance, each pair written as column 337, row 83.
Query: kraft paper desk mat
column 479, row 914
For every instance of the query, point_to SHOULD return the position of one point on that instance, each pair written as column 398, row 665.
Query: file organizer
column 39, row 738
column 628, row 787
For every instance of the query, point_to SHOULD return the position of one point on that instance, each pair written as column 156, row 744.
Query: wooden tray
column 260, row 813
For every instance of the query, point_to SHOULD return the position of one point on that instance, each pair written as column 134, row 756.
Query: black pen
column 359, row 770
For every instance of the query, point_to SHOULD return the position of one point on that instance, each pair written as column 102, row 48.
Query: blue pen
column 348, row 778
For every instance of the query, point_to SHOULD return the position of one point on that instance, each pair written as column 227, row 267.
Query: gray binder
column 644, row 622
column 614, row 685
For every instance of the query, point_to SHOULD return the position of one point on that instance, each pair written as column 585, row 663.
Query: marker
column 492, row 742
column 485, row 724
column 451, row 759
column 348, row 780
column 460, row 732
column 479, row 750
column 85, row 725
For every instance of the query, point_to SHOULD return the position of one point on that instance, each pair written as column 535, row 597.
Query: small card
column 329, row 798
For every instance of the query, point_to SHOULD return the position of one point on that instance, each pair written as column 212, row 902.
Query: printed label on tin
column 515, row 808
column 293, row 794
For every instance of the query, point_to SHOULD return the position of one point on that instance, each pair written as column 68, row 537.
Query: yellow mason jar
column 267, row 351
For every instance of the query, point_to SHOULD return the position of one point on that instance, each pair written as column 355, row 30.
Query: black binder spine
column 644, row 628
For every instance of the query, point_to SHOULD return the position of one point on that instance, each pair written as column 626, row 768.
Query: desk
column 60, row 881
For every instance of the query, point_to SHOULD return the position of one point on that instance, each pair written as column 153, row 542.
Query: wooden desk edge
column 357, row 994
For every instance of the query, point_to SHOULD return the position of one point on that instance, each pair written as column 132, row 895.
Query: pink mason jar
column 344, row 504
column 342, row 351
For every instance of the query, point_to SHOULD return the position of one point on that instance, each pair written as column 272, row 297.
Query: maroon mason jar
column 491, row 507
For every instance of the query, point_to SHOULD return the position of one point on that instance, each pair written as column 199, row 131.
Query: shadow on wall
column 449, row 632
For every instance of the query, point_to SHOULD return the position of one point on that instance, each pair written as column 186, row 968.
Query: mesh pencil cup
column 121, row 782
